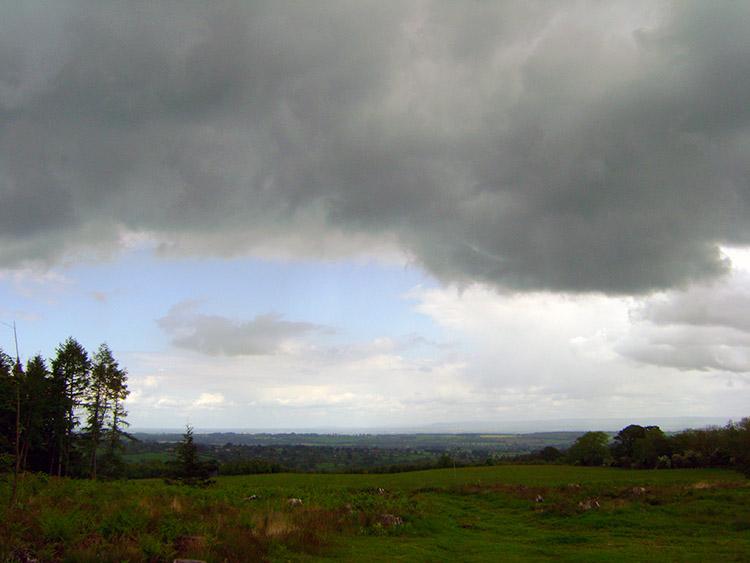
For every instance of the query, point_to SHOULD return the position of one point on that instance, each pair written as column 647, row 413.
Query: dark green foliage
column 39, row 408
column 38, row 445
column 739, row 445
column 550, row 454
column 7, row 405
column 104, row 404
column 189, row 468
column 622, row 447
column 590, row 449
column 648, row 450
column 70, row 372
column 641, row 447
column 648, row 447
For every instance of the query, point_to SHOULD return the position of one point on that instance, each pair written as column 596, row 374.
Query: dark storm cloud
column 221, row 336
column 571, row 145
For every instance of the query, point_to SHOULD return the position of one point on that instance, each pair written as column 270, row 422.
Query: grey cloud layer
column 569, row 145
column 221, row 336
column 704, row 328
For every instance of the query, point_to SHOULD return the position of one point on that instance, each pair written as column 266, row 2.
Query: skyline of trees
column 648, row 447
column 65, row 418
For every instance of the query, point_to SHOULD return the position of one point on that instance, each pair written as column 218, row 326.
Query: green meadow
column 494, row 513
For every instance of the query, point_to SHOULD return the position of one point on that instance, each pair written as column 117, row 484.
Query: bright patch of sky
column 118, row 301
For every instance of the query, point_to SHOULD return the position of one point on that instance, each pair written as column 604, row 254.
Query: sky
column 336, row 214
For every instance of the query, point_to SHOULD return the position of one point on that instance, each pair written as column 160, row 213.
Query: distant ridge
column 669, row 424
column 573, row 424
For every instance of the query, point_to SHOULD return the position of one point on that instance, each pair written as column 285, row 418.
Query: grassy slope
column 486, row 514
column 500, row 520
column 473, row 514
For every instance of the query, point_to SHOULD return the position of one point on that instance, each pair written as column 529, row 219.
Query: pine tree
column 117, row 392
column 106, row 393
column 190, row 469
column 37, row 402
column 70, row 372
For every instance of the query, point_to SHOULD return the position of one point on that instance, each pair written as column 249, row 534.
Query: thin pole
column 15, row 337
column 18, row 370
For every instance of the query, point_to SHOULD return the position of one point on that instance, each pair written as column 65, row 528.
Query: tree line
column 66, row 417
column 648, row 447
column 634, row 447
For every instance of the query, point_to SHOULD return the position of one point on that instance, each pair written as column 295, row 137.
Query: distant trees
column 647, row 447
column 41, row 407
column 550, row 454
column 622, row 448
column 641, row 447
column 739, row 445
column 590, row 449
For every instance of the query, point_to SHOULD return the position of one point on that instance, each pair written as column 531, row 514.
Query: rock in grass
column 187, row 543
column 589, row 504
column 22, row 556
column 388, row 520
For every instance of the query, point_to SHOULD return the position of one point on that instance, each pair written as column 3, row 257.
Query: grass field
column 500, row 513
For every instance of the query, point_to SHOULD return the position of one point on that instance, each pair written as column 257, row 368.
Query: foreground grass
column 508, row 513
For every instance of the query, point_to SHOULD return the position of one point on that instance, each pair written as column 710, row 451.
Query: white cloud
column 551, row 356
column 38, row 284
column 210, row 401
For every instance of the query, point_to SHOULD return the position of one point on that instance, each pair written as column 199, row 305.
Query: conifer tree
column 117, row 392
column 71, row 368
column 105, row 395
column 190, row 469
column 37, row 402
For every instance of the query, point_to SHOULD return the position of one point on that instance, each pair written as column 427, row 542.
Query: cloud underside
column 704, row 328
column 567, row 146
column 215, row 335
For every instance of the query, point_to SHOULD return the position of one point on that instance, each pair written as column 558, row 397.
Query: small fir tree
column 190, row 469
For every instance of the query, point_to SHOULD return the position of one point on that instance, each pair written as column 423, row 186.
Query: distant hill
column 668, row 424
